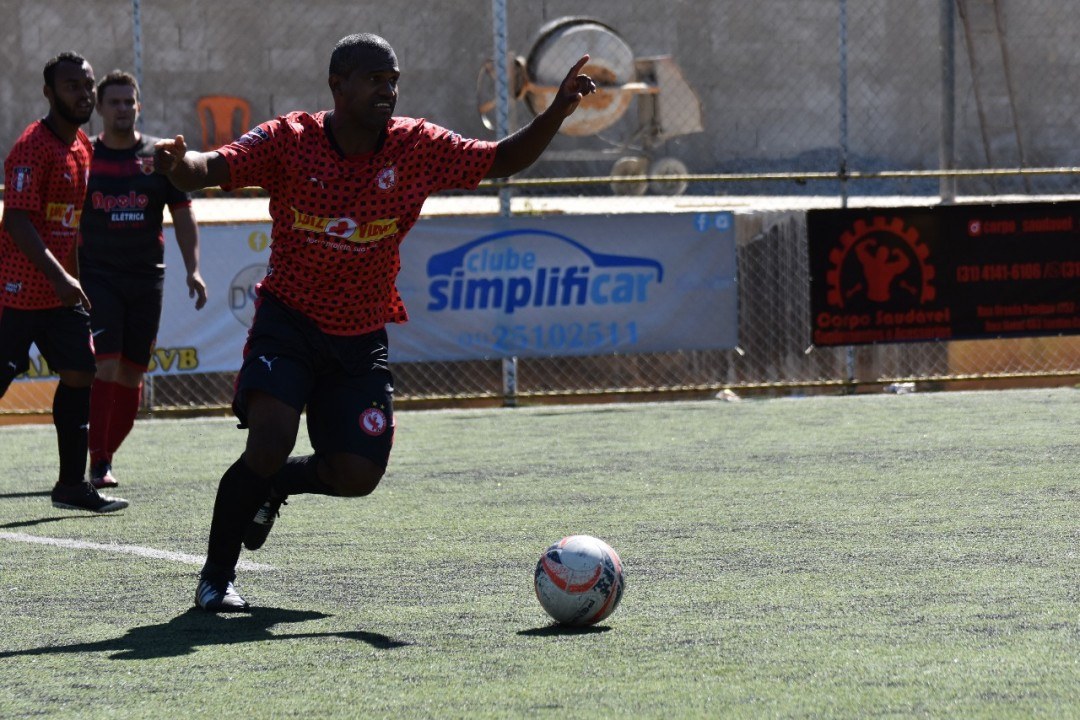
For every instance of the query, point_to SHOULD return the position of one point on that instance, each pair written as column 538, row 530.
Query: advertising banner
column 490, row 287
column 487, row 288
column 555, row 285
column 943, row 273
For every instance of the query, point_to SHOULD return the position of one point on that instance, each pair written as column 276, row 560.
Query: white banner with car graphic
column 494, row 287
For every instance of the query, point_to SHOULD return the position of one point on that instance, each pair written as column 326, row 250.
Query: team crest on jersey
column 253, row 137
column 146, row 164
column 387, row 178
column 22, row 178
column 373, row 421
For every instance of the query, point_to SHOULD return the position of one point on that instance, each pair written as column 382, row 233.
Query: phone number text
column 560, row 336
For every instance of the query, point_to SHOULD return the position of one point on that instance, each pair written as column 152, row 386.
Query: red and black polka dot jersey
column 46, row 177
column 338, row 221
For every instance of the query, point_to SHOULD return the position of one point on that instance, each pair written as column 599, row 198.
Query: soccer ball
column 579, row 580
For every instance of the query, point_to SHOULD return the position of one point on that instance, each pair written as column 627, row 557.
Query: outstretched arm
column 189, row 170
column 520, row 150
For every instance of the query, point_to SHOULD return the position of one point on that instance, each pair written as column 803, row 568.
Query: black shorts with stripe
column 125, row 313
column 343, row 382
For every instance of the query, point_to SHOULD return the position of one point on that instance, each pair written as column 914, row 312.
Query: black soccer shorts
column 62, row 336
column 125, row 313
column 343, row 382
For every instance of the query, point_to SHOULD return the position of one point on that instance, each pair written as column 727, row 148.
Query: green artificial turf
column 834, row 557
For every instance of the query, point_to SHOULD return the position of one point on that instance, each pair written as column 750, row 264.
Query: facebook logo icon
column 712, row 221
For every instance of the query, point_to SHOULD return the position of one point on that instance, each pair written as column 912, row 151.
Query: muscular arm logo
column 880, row 265
column 882, row 261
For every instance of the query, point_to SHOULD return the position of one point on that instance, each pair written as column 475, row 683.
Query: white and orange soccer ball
column 579, row 580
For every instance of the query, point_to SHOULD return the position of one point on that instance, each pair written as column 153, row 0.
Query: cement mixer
column 667, row 106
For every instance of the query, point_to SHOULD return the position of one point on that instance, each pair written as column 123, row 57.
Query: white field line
column 127, row 549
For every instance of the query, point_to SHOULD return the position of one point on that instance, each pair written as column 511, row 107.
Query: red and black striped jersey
column 338, row 220
column 45, row 177
column 124, row 211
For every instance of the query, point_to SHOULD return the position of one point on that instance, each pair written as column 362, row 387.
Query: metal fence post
column 510, row 381
column 502, row 129
column 947, row 157
column 502, row 88
column 136, row 41
column 843, row 103
column 849, row 355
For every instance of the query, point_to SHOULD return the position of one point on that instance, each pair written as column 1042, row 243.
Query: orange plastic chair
column 217, row 113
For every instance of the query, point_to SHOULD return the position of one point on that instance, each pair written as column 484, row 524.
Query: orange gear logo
column 879, row 262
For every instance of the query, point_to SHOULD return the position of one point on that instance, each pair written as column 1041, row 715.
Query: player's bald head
column 361, row 51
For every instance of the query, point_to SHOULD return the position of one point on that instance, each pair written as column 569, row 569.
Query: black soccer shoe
column 85, row 496
column 219, row 596
column 259, row 527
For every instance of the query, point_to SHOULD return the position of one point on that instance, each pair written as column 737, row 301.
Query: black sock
column 301, row 475
column 240, row 493
column 71, row 417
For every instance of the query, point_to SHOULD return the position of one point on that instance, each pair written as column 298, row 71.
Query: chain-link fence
column 754, row 107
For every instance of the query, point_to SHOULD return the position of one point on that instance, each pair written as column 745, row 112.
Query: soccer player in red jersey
column 122, row 264
column 41, row 300
column 345, row 186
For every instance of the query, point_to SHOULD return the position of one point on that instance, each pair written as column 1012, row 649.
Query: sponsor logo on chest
column 66, row 215
column 131, row 200
column 346, row 228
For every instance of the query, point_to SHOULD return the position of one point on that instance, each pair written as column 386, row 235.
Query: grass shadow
column 42, row 521
column 556, row 630
column 197, row 628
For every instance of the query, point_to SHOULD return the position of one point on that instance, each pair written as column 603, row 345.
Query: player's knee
column 129, row 375
column 358, row 484
column 108, row 369
column 76, row 378
column 264, row 461
column 352, row 476
column 272, row 428
column 266, row 453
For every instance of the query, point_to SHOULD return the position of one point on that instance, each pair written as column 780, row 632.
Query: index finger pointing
column 580, row 64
